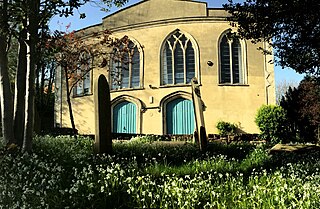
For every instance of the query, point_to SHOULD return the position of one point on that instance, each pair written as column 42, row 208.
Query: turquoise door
column 124, row 118
column 180, row 117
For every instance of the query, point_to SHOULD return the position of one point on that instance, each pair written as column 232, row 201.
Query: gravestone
column 200, row 132
column 103, row 138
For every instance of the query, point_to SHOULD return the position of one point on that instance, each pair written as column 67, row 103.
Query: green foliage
column 219, row 163
column 63, row 149
column 145, row 139
column 226, row 128
column 287, row 26
column 2, row 142
column 12, row 59
column 272, row 122
column 63, row 173
column 302, row 105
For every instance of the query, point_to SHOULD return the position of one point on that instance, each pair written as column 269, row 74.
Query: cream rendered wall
column 237, row 104
column 153, row 11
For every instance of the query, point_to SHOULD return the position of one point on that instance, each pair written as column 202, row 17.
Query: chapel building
column 174, row 41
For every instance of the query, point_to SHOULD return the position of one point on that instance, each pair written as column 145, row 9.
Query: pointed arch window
column 232, row 69
column 178, row 60
column 126, row 67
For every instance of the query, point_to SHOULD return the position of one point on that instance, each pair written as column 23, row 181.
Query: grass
column 64, row 173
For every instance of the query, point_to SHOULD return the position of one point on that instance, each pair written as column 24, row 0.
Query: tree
column 24, row 19
column 21, row 18
column 5, row 87
column 289, row 102
column 282, row 87
column 302, row 105
column 292, row 28
column 76, row 56
column 44, row 86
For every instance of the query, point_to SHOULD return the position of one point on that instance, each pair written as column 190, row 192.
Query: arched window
column 126, row 67
column 83, row 75
column 177, row 60
column 231, row 61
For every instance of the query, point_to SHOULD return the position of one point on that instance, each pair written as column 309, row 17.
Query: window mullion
column 173, row 67
column 130, row 70
column 140, row 71
column 83, row 77
column 184, row 65
column 120, row 69
column 231, row 66
column 111, row 73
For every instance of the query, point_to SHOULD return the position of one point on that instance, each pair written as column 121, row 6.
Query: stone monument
column 102, row 108
column 200, row 132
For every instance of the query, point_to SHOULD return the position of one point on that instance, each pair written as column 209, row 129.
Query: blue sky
column 94, row 16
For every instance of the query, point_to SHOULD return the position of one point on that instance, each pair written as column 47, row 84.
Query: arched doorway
column 180, row 116
column 125, row 118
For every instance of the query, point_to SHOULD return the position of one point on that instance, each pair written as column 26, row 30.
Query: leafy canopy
column 291, row 27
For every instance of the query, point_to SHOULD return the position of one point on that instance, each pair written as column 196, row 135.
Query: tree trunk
column 29, row 104
column 6, row 102
column 20, row 90
column 69, row 104
column 31, row 41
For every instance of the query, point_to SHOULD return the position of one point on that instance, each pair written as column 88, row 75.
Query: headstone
column 103, row 137
column 294, row 148
column 200, row 132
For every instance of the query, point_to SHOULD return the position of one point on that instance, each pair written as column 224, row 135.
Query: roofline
column 122, row 9
column 141, row 2
column 90, row 26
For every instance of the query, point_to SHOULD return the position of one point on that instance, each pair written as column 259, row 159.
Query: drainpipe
column 267, row 75
column 60, row 97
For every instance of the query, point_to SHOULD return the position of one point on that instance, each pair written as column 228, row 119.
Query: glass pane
column 115, row 74
column 178, row 65
column 171, row 40
column 177, row 34
column 190, row 62
column 236, row 61
column 167, row 65
column 183, row 40
column 79, row 87
column 125, row 71
column 83, row 74
column 225, row 76
column 135, row 66
column 87, row 83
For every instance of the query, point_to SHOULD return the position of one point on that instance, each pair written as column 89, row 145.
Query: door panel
column 180, row 117
column 125, row 118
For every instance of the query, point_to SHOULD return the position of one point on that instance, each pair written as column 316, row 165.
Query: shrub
column 145, row 139
column 2, row 143
column 226, row 128
column 272, row 122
